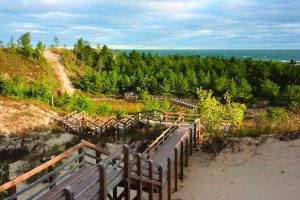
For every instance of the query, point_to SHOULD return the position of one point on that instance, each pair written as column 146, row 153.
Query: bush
column 163, row 105
column 104, row 109
column 62, row 101
column 214, row 114
column 269, row 89
column 152, row 105
column 292, row 95
column 275, row 113
column 121, row 113
column 81, row 103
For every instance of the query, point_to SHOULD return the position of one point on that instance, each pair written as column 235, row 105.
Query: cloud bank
column 156, row 23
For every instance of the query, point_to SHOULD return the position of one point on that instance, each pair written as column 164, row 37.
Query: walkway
column 93, row 177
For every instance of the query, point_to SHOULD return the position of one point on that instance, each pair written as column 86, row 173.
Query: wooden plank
column 102, row 182
column 169, row 177
column 195, row 134
column 39, row 168
column 160, row 169
column 181, row 159
column 126, row 172
column 52, row 177
column 139, row 173
column 150, row 162
column 80, row 151
column 191, row 140
column 186, row 152
column 175, row 169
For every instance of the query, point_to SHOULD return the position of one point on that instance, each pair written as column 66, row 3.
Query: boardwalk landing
column 149, row 172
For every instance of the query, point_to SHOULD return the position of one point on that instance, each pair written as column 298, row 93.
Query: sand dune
column 267, row 171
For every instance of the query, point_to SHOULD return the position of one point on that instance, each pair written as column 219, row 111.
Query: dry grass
column 23, row 116
column 13, row 64
column 120, row 104
column 257, row 124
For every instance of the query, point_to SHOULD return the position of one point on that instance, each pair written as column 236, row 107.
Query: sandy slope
column 17, row 117
column 60, row 70
column 268, row 171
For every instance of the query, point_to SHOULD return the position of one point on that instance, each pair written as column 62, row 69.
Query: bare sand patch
column 267, row 171
column 18, row 117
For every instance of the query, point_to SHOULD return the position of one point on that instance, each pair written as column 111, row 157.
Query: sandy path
column 270, row 171
column 60, row 70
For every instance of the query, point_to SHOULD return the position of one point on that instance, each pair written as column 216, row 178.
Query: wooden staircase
column 88, row 172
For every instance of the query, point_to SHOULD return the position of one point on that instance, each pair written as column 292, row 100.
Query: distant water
column 277, row 55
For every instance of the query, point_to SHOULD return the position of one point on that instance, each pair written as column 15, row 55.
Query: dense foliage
column 217, row 116
column 177, row 75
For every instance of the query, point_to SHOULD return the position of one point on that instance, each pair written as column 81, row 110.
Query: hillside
column 25, row 86
column 18, row 117
column 54, row 60
column 13, row 64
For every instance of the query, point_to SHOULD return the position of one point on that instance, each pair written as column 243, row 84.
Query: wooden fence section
column 188, row 103
column 90, row 176
column 55, row 172
column 82, row 123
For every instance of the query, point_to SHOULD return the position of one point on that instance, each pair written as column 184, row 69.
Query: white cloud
column 54, row 14
column 193, row 33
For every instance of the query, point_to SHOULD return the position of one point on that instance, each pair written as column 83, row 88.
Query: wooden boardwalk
column 98, row 177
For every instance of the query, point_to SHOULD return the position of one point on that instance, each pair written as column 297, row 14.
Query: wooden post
column 98, row 157
column 169, row 177
column 69, row 193
column 126, row 172
column 139, row 173
column 186, row 152
column 115, row 193
column 195, row 134
column 160, row 170
column 12, row 191
column 181, row 159
column 80, row 151
column 102, row 182
column 191, row 140
column 175, row 171
column 148, row 128
column 150, row 162
column 115, row 190
column 124, row 137
column 52, row 177
column 118, row 132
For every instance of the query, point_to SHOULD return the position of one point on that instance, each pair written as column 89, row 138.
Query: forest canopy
column 177, row 75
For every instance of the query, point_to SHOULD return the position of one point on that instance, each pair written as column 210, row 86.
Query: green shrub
column 152, row 105
column 163, row 105
column 269, row 89
column 121, row 113
column 214, row 114
column 273, row 113
column 81, row 103
column 104, row 109
column 62, row 101
column 292, row 95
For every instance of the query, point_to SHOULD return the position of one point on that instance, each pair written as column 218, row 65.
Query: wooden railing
column 124, row 168
column 161, row 139
column 55, row 173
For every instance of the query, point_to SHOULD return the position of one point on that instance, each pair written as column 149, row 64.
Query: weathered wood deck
column 124, row 168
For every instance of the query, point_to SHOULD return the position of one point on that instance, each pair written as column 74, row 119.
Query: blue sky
column 191, row 24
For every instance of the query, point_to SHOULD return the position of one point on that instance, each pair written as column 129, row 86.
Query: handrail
column 155, row 142
column 51, row 162
column 126, row 163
